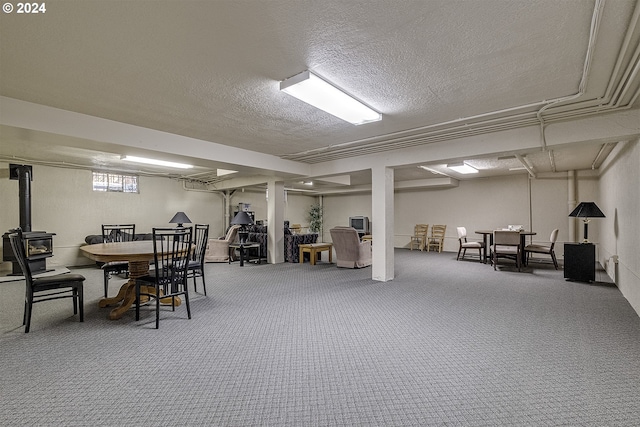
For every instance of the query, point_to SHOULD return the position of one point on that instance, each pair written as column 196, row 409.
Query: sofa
column 258, row 234
column 93, row 239
column 292, row 244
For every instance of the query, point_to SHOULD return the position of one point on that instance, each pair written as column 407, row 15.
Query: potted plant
column 315, row 218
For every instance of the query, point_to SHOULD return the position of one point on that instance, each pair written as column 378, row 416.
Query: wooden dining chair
column 39, row 289
column 419, row 237
column 112, row 233
column 196, row 262
column 506, row 244
column 436, row 238
column 172, row 248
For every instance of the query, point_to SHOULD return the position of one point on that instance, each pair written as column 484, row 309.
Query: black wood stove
column 38, row 245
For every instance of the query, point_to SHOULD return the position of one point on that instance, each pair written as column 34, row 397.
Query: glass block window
column 103, row 181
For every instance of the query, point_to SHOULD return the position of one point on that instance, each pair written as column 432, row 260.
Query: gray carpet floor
column 446, row 343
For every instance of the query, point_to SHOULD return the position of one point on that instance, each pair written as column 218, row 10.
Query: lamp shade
column 587, row 210
column 241, row 218
column 180, row 218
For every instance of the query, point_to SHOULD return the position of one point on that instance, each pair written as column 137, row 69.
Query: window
column 115, row 182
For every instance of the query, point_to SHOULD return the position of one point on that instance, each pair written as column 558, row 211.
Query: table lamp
column 242, row 219
column 587, row 210
column 180, row 218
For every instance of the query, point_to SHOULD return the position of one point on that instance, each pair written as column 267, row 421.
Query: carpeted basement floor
column 446, row 343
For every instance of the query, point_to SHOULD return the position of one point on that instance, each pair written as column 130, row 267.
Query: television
column 360, row 223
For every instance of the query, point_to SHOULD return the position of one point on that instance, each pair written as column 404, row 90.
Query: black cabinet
column 580, row 261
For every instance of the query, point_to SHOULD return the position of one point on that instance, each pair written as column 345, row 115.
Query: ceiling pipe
column 595, row 25
column 625, row 45
column 529, row 169
column 410, row 141
column 630, row 75
column 595, row 164
column 398, row 135
column 474, row 128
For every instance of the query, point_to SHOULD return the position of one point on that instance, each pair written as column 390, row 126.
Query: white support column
column 382, row 208
column 275, row 222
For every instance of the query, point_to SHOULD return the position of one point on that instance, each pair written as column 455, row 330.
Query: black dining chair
column 172, row 248
column 39, row 289
column 112, row 233
column 196, row 262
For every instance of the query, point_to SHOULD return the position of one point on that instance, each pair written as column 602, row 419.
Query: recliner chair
column 350, row 251
column 218, row 249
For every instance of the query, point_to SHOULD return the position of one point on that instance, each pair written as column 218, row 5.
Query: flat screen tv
column 360, row 223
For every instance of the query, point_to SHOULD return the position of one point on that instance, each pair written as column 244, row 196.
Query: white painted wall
column 620, row 201
column 487, row 203
column 338, row 209
column 63, row 202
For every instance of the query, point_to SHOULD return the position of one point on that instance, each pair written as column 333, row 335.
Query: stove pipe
column 23, row 174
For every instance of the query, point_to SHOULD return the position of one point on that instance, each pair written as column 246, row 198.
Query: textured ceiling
column 210, row 70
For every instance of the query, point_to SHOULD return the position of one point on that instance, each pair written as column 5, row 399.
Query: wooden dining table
column 137, row 254
column 487, row 238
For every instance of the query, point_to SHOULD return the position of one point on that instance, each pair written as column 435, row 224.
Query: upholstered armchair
column 218, row 249
column 350, row 251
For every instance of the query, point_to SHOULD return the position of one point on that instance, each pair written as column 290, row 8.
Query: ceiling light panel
column 156, row 162
column 315, row 91
column 462, row 168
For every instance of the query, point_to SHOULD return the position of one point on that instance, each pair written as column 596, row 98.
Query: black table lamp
column 180, row 218
column 242, row 219
column 587, row 210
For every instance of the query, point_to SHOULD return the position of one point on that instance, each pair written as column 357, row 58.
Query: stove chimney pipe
column 23, row 174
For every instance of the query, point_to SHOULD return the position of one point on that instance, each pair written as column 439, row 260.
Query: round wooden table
column 137, row 254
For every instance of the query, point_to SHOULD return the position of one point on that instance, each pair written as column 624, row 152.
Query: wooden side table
column 314, row 249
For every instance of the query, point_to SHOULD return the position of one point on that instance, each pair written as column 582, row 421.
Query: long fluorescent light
column 156, row 162
column 223, row 172
column 315, row 91
column 462, row 168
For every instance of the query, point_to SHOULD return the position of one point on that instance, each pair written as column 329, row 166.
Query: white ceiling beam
column 27, row 115
column 621, row 125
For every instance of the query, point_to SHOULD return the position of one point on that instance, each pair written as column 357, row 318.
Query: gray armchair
column 350, row 251
column 218, row 249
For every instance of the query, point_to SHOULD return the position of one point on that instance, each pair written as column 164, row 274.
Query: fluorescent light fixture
column 462, row 168
column 156, row 162
column 223, row 172
column 315, row 91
